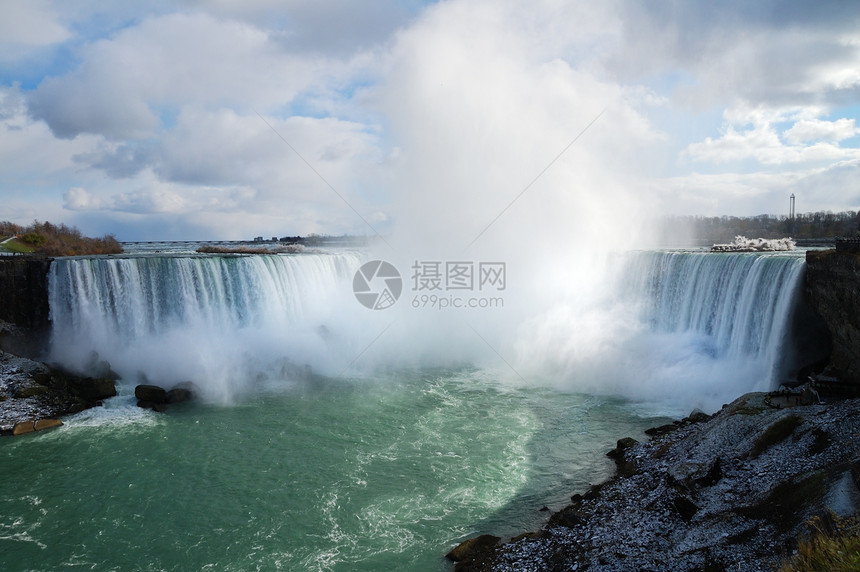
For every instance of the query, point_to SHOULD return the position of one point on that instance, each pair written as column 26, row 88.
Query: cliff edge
column 833, row 290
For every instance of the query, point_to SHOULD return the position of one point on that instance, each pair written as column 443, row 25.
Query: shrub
column 833, row 546
column 60, row 240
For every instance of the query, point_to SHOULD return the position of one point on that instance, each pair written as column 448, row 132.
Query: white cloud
column 79, row 199
column 816, row 129
column 29, row 23
column 834, row 187
column 754, row 134
column 124, row 82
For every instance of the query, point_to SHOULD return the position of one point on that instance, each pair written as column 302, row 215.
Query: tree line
column 58, row 240
column 811, row 225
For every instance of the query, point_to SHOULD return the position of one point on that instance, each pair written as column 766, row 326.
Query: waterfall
column 715, row 325
column 697, row 328
column 169, row 319
column 741, row 303
column 679, row 329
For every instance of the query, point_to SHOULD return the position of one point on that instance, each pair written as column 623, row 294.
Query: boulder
column 24, row 427
column 95, row 388
column 150, row 394
column 42, row 424
column 178, row 395
column 473, row 548
column 712, row 476
column 567, row 517
column 160, row 407
column 621, row 446
column 697, row 416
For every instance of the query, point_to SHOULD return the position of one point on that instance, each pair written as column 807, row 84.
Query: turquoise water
column 386, row 474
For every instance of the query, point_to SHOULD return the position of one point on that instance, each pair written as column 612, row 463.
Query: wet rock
column 159, row 407
column 626, row 467
column 94, row 388
column 150, row 394
column 621, row 446
column 43, row 424
column 661, row 430
column 471, row 553
column 178, row 395
column 697, row 416
column 24, row 427
column 567, row 517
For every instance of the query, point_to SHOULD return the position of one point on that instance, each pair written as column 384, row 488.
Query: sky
column 193, row 120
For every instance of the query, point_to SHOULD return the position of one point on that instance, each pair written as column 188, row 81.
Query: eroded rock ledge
column 709, row 493
column 33, row 394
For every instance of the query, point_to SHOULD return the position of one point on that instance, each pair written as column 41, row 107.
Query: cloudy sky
column 228, row 119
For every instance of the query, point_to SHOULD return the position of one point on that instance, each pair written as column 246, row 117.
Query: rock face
column 833, row 290
column 24, row 283
column 727, row 493
column 24, row 306
column 32, row 394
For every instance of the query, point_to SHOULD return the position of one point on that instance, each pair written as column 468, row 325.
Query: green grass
column 834, row 546
column 16, row 246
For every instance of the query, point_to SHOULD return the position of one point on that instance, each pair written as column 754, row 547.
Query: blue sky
column 167, row 120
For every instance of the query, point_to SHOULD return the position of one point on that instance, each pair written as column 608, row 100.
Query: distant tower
column 791, row 223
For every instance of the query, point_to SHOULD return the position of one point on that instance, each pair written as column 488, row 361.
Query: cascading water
column 741, row 302
column 679, row 329
column 690, row 327
column 199, row 318
column 714, row 325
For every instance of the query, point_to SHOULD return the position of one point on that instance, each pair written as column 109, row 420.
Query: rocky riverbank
column 34, row 395
column 724, row 492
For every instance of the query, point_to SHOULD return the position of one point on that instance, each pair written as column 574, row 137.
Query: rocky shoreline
column 724, row 492
column 33, row 395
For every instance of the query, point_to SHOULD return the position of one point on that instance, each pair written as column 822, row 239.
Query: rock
column 626, row 467
column 697, row 416
column 567, row 517
column 473, row 548
column 159, row 407
column 712, row 476
column 31, row 391
column 831, row 289
column 621, row 446
column 685, row 508
column 42, row 424
column 661, row 430
column 95, row 388
column 150, row 394
column 24, row 427
column 178, row 395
